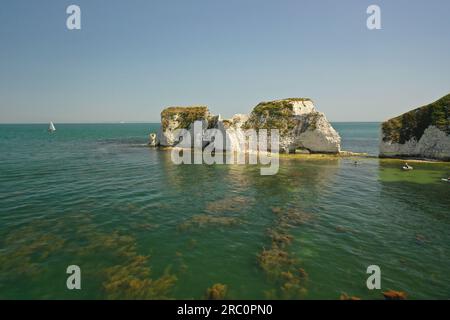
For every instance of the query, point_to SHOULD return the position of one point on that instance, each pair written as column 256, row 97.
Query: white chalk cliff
column 300, row 127
column 434, row 144
column 421, row 133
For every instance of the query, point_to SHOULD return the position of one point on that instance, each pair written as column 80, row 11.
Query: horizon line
column 152, row 122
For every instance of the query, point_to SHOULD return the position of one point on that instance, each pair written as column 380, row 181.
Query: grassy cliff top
column 412, row 124
column 294, row 100
column 273, row 115
column 186, row 115
column 281, row 107
column 197, row 109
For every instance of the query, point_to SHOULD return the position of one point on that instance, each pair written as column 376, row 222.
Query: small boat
column 446, row 180
column 407, row 168
column 51, row 127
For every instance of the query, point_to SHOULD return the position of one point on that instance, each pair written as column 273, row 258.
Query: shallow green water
column 142, row 227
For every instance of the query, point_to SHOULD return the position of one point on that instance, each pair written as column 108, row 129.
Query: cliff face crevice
column 423, row 132
column 300, row 126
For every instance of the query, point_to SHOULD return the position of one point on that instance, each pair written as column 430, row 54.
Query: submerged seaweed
column 217, row 292
column 280, row 237
column 292, row 217
column 26, row 256
column 132, row 281
column 395, row 295
column 277, row 262
column 274, row 260
column 128, row 279
column 233, row 204
column 203, row 220
column 345, row 296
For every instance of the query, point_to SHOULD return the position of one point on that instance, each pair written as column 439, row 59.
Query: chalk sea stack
column 300, row 126
column 174, row 118
column 420, row 133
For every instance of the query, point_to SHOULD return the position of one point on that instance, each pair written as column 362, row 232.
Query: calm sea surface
column 95, row 196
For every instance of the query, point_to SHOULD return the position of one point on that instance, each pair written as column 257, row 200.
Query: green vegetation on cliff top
column 184, row 115
column 266, row 115
column 276, row 114
column 412, row 124
column 278, row 107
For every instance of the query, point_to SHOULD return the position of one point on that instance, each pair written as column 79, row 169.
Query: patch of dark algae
column 121, row 272
column 280, row 266
column 217, row 292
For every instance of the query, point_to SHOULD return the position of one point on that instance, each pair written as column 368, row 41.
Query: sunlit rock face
column 421, row 133
column 231, row 132
column 433, row 144
column 175, row 118
column 299, row 125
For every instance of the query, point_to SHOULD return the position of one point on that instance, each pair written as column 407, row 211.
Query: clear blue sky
column 133, row 58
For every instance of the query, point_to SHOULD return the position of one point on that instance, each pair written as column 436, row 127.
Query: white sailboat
column 51, row 127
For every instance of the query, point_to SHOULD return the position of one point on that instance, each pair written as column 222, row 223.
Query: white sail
column 51, row 127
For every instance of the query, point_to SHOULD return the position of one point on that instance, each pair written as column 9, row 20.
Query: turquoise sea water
column 139, row 226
